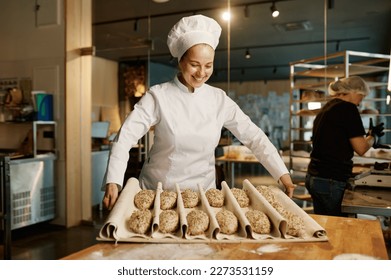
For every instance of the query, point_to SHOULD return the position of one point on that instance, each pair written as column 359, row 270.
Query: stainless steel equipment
column 378, row 176
column 371, row 192
column 32, row 190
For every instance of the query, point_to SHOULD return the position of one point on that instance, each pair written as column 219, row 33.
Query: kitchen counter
column 229, row 165
column 348, row 238
column 367, row 200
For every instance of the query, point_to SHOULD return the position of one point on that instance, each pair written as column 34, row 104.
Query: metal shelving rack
column 315, row 74
column 36, row 124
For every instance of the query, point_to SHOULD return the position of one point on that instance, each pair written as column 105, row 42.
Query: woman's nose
column 201, row 71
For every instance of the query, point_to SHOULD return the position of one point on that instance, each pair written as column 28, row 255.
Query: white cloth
column 187, row 131
column 190, row 31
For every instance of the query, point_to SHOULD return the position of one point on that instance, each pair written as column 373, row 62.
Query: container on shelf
column 43, row 105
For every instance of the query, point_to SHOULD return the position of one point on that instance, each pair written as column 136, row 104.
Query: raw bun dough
column 259, row 222
column 227, row 221
column 168, row 221
column 190, row 198
column 140, row 221
column 168, row 200
column 144, row 199
column 267, row 193
column 295, row 223
column 197, row 222
column 215, row 197
column 241, row 197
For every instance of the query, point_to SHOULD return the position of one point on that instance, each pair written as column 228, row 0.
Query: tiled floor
column 48, row 242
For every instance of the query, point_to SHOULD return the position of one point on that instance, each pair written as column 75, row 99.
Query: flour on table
column 353, row 257
column 157, row 252
column 269, row 248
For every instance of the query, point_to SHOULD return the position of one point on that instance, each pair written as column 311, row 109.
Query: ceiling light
column 160, row 1
column 274, row 10
column 247, row 55
column 226, row 16
column 246, row 12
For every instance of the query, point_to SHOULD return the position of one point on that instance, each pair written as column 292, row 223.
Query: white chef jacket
column 187, row 131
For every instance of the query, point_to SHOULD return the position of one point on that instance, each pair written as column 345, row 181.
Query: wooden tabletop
column 249, row 159
column 348, row 238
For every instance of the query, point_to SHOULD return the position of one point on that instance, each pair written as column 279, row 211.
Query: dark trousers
column 326, row 194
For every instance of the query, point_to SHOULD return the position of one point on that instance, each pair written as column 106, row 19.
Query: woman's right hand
column 111, row 196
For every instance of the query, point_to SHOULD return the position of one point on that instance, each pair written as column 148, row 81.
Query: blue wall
column 160, row 73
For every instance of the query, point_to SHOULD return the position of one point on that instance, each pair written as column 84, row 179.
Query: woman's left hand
column 286, row 180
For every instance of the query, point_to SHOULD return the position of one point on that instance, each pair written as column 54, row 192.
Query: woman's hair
column 353, row 84
column 186, row 52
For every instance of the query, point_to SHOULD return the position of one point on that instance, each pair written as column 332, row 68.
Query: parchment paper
column 116, row 226
column 311, row 228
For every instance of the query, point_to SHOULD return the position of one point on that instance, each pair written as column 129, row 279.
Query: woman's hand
column 111, row 195
column 286, row 180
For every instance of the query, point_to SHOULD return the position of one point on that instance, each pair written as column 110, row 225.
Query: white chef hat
column 353, row 84
column 190, row 31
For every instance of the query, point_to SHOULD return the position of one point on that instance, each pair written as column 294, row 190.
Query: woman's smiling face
column 196, row 66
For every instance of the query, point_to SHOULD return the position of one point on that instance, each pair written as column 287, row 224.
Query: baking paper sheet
column 116, row 227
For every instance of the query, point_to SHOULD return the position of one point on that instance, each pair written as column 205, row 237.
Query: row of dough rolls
column 227, row 214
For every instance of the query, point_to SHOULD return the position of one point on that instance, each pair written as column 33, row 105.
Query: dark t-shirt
column 332, row 153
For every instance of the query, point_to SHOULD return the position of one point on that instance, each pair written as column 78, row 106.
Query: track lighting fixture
column 274, row 10
column 247, row 55
column 330, row 4
column 246, row 12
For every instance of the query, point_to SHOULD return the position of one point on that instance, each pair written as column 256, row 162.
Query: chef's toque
column 190, row 31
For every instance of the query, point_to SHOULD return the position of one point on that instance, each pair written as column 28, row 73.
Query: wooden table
column 346, row 236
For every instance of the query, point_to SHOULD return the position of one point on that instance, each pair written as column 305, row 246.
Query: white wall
column 22, row 39
column 105, row 106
